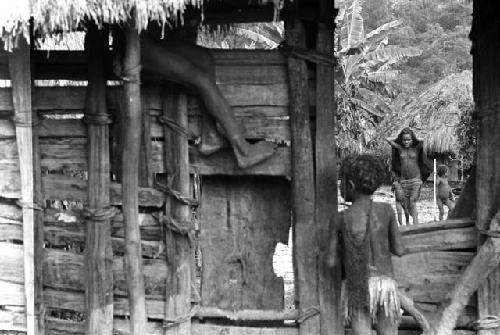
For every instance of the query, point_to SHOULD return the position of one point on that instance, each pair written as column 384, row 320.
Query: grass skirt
column 383, row 298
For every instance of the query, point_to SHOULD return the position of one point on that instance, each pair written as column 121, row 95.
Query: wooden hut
column 82, row 252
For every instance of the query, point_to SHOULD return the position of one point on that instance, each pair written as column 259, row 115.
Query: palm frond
column 392, row 53
column 383, row 28
column 356, row 28
column 366, row 107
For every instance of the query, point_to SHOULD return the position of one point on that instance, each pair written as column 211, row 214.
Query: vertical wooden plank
column 179, row 258
column 130, row 181
column 118, row 130
column 145, row 169
column 243, row 219
column 486, row 63
column 20, row 74
column 98, row 250
column 39, row 214
column 305, row 242
column 326, row 180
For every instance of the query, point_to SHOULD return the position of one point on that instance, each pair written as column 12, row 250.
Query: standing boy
column 368, row 237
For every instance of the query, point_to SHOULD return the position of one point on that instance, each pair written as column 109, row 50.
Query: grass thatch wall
column 435, row 114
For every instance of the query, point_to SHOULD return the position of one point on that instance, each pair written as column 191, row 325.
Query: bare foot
column 209, row 147
column 211, row 140
column 255, row 153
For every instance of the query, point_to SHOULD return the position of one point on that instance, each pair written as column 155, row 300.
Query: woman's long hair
column 407, row 130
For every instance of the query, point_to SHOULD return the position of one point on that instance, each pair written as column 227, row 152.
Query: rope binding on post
column 488, row 322
column 22, row 119
column 127, row 74
column 29, row 205
column 173, row 125
column 177, row 195
column 308, row 313
column 97, row 119
column 100, row 214
column 168, row 323
column 308, row 55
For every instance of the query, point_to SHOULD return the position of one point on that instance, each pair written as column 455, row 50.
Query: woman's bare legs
column 177, row 68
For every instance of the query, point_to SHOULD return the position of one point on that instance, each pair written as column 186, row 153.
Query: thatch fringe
column 51, row 16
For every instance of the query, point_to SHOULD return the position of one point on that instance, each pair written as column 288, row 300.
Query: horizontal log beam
column 72, row 98
column 436, row 226
column 13, row 318
column 71, row 65
column 120, row 326
column 445, row 239
column 429, row 276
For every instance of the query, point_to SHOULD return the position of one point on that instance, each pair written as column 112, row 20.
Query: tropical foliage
column 267, row 35
column 364, row 76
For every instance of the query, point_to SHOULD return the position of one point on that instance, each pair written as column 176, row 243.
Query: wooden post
column 39, row 215
column 326, row 181
column 486, row 70
column 118, row 130
column 467, row 201
column 305, row 242
column 145, row 170
column 99, row 254
column 178, row 285
column 20, row 75
column 434, row 176
column 130, row 181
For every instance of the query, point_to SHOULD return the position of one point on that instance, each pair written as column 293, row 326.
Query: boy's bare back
column 385, row 235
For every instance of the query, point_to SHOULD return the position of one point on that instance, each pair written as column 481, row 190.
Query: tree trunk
column 178, row 286
column 326, row 213
column 98, row 250
column 130, row 175
column 25, row 119
column 305, row 238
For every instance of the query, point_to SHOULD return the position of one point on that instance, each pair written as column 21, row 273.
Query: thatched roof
column 66, row 15
column 435, row 113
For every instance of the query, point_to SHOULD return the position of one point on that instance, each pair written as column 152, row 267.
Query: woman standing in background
column 410, row 168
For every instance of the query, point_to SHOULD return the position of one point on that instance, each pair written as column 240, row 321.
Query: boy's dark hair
column 365, row 171
column 441, row 170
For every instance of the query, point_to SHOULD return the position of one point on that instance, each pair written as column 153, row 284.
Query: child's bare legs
column 177, row 68
column 211, row 140
column 451, row 204
column 384, row 325
column 361, row 323
column 441, row 208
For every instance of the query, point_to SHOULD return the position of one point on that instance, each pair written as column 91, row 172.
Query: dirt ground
column 282, row 261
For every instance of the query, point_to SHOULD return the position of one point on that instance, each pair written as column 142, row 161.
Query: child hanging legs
column 368, row 236
column 186, row 64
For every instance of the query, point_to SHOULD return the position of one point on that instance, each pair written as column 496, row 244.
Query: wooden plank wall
column 242, row 220
column 259, row 97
